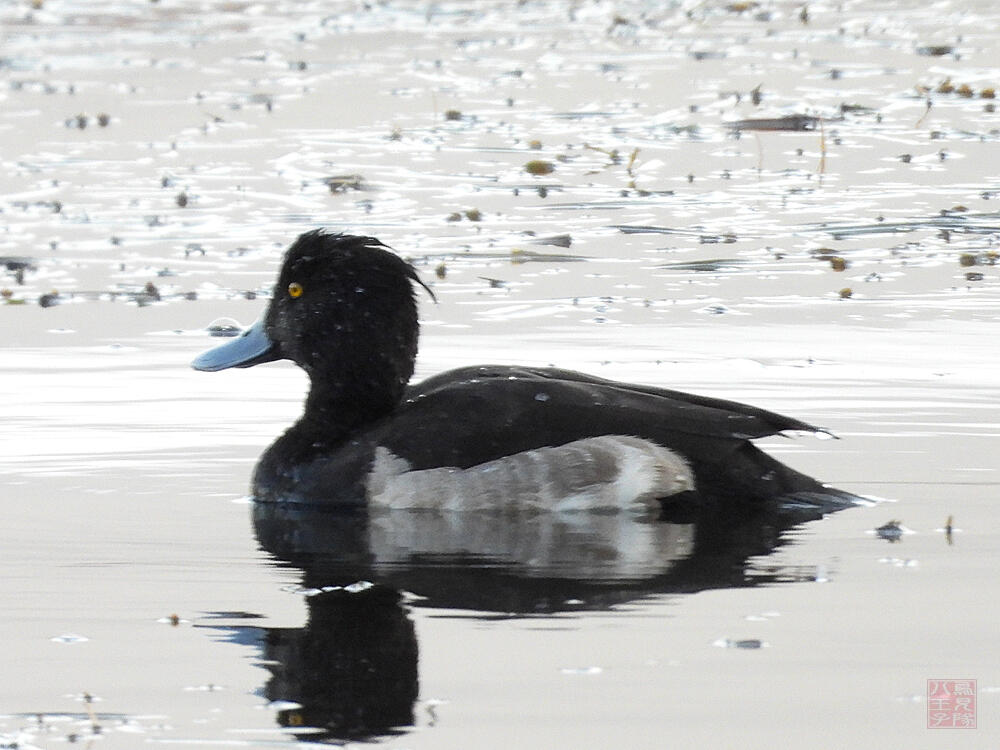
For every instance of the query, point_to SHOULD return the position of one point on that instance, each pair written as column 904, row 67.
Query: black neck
column 333, row 412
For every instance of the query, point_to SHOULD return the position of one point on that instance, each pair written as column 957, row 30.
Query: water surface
column 844, row 274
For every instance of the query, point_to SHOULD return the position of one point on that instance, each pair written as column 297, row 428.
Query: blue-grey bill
column 249, row 348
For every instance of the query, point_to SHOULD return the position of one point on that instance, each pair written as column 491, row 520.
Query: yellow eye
column 295, row 290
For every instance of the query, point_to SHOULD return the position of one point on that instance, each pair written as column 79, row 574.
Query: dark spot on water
column 539, row 167
column 343, row 183
column 224, row 328
column 891, row 531
column 792, row 123
column 935, row 50
column 558, row 240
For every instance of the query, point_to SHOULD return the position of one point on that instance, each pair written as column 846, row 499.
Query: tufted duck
column 481, row 437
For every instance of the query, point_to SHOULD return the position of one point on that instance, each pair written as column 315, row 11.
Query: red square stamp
column 951, row 704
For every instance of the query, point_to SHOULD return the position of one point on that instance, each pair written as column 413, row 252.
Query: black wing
column 472, row 415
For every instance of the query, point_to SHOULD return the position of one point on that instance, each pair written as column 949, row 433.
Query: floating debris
column 614, row 156
column 18, row 263
column 344, row 182
column 716, row 309
column 790, row 123
column 949, row 529
column 650, row 229
column 935, row 50
column 224, row 328
column 985, row 224
column 173, row 620
column 857, row 109
column 49, row 300
column 557, row 240
column 744, row 643
column 892, row 531
column 947, row 86
column 539, row 167
column 710, row 265
column 715, row 239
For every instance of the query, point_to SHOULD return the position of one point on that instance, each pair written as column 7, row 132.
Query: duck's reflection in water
column 351, row 672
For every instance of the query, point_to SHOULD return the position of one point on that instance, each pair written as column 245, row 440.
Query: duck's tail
column 747, row 478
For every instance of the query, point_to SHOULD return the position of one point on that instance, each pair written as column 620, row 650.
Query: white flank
column 610, row 472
